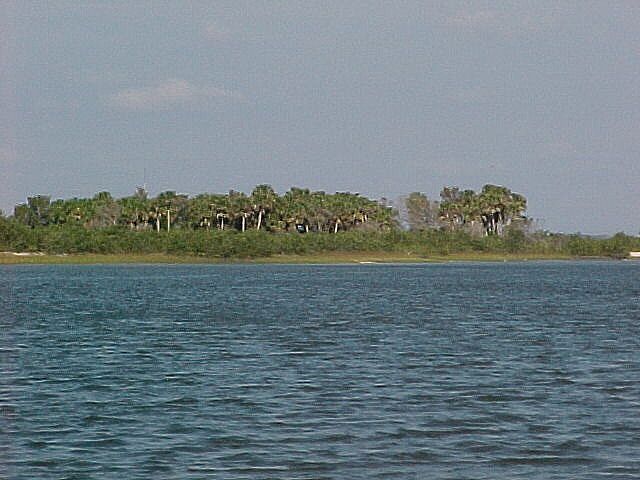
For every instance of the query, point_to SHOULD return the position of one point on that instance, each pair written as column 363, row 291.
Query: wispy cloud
column 169, row 94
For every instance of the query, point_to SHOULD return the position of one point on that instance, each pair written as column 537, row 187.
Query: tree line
column 297, row 210
column 299, row 221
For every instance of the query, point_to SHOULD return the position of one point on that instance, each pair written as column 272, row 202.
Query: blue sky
column 381, row 98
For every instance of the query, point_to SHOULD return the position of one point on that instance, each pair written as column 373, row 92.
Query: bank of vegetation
column 264, row 224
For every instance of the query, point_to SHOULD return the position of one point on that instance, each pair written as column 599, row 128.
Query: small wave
column 536, row 459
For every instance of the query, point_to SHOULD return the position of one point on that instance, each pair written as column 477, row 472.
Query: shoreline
column 348, row 258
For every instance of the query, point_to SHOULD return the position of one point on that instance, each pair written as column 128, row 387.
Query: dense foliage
column 297, row 210
column 488, row 212
column 297, row 222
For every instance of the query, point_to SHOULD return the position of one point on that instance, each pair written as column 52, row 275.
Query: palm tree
column 294, row 210
column 198, row 212
column 264, row 200
column 35, row 212
column 237, row 206
column 516, row 207
column 173, row 206
column 133, row 212
column 500, row 206
column 451, row 207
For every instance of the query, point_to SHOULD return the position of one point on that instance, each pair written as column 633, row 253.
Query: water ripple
column 309, row 372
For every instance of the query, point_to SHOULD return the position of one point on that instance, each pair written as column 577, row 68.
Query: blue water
column 485, row 371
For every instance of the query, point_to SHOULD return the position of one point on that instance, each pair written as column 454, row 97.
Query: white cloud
column 169, row 94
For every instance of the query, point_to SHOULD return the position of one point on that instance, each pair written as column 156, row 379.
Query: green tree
column 35, row 212
column 106, row 211
column 134, row 210
column 499, row 207
column 264, row 200
column 451, row 207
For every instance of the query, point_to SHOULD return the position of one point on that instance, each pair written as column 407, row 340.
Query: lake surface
column 485, row 371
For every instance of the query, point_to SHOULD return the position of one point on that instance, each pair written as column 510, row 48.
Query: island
column 298, row 226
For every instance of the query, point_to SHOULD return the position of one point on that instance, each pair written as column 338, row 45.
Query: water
column 528, row 370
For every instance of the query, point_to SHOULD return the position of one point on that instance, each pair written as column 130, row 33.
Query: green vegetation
column 489, row 212
column 298, row 224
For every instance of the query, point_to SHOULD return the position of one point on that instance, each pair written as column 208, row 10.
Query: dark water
column 527, row 370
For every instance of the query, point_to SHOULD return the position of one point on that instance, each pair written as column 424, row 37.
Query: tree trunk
column 259, row 220
column 244, row 221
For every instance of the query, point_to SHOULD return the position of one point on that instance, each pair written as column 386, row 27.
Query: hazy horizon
column 370, row 97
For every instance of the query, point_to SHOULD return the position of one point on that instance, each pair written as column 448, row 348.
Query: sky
column 380, row 98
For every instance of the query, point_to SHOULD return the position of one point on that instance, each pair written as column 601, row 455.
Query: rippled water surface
column 519, row 370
